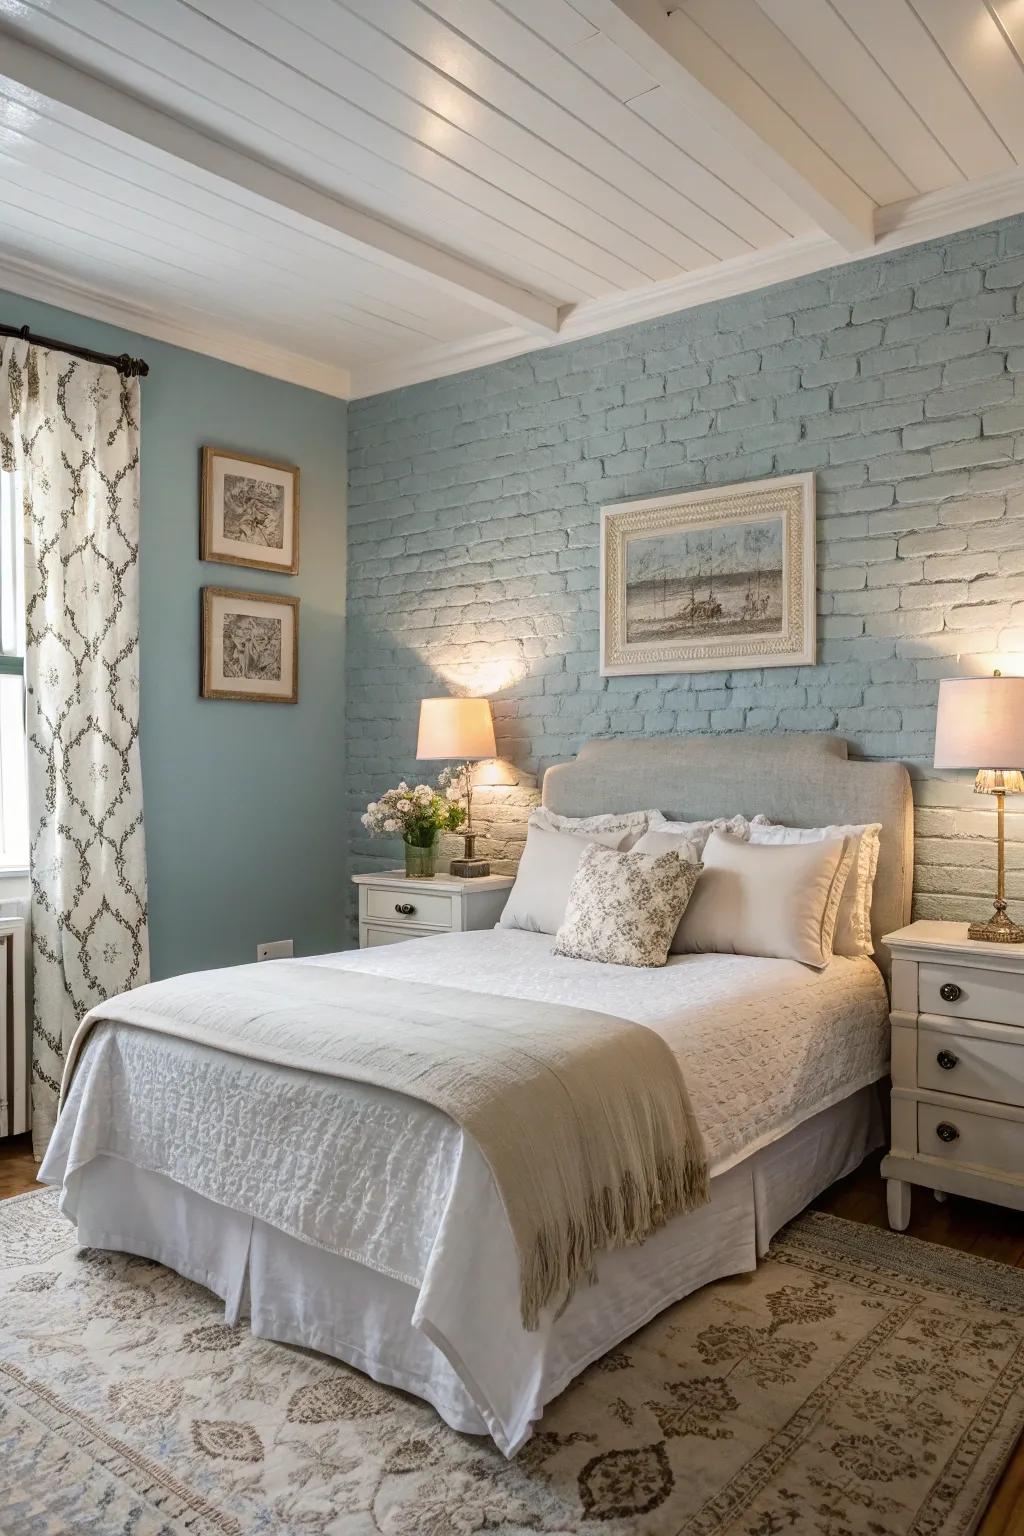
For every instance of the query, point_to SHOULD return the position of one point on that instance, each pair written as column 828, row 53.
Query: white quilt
column 371, row 1175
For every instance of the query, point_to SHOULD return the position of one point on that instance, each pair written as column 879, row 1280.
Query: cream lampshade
column 980, row 725
column 459, row 730
column 453, row 729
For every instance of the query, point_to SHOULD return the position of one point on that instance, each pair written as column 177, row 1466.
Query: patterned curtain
column 70, row 430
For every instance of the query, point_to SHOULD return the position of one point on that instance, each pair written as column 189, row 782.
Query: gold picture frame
column 249, row 512
column 712, row 580
column 247, row 653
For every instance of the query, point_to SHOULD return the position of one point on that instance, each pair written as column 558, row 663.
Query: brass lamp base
column 469, row 867
column 999, row 782
column 999, row 929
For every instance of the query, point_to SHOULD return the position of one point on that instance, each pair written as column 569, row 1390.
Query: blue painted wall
column 243, row 802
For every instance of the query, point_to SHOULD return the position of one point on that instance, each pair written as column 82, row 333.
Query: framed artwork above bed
column 250, row 512
column 709, row 580
column 250, row 646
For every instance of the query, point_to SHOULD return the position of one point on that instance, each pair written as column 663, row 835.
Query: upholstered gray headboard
column 802, row 780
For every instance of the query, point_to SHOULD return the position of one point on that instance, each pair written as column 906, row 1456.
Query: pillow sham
column 629, row 824
column 698, row 832
column 778, row 901
column 537, row 900
column 657, row 840
column 853, row 925
column 623, row 908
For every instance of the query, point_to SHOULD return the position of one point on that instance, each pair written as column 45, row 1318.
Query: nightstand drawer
column 393, row 907
column 983, row 1141
column 429, row 909
column 373, row 938
column 961, row 991
column 971, row 1066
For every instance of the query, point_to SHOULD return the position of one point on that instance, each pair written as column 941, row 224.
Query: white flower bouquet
column 417, row 815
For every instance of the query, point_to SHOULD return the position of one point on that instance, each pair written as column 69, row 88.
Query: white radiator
column 15, row 1054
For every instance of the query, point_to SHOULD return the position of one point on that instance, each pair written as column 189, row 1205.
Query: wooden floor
column 17, row 1166
column 992, row 1232
column 987, row 1230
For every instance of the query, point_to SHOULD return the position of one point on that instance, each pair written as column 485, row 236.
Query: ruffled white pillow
column 537, row 900
column 658, row 841
column 629, row 824
column 698, row 832
column 754, row 899
column 853, row 926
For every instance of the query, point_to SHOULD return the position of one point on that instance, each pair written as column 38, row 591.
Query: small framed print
column 250, row 646
column 250, row 512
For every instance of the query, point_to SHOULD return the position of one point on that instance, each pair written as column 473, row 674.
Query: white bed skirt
column 457, row 1342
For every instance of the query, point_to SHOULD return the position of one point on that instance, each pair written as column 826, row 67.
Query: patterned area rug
column 859, row 1384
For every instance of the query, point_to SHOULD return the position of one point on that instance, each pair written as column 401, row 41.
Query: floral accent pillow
column 624, row 908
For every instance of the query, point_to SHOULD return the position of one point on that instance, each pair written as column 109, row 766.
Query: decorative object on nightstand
column 392, row 908
column 981, row 722
column 460, row 730
column 957, row 1068
column 416, row 816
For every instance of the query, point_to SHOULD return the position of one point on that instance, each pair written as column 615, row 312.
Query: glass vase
column 421, row 860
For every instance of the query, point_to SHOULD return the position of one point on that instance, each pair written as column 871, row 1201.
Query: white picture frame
column 665, row 607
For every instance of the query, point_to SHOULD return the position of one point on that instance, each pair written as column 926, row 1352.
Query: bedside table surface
column 947, row 938
column 445, row 883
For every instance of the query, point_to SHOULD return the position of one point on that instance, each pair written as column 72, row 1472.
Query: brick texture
column 474, row 509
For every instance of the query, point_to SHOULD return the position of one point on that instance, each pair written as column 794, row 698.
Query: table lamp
column 981, row 721
column 459, row 730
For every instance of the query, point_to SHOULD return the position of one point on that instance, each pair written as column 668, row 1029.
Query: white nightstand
column 957, row 1068
column 392, row 908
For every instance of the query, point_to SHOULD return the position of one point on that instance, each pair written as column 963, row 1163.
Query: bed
column 364, row 1224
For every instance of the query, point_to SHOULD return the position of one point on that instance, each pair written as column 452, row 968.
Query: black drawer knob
column 946, row 1060
column 404, row 908
column 946, row 1132
column 950, row 992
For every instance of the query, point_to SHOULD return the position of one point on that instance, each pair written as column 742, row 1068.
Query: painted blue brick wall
column 474, row 509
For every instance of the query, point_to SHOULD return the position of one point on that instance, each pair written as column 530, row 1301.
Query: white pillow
column 853, row 926
column 629, row 824
column 537, row 900
column 698, row 832
column 758, row 899
column 657, row 841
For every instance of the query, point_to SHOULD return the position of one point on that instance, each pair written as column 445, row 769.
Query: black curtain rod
column 125, row 365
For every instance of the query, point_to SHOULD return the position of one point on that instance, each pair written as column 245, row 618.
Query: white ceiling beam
column 362, row 233
column 930, row 217
column 682, row 57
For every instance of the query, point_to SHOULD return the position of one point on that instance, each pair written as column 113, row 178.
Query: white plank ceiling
column 359, row 193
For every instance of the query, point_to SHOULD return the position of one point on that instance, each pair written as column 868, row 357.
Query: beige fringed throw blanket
column 583, row 1119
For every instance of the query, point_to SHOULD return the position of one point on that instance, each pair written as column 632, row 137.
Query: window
column 13, row 789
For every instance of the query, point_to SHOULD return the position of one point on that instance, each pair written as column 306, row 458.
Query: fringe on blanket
column 560, row 1260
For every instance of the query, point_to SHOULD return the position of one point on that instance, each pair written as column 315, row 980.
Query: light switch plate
column 279, row 949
